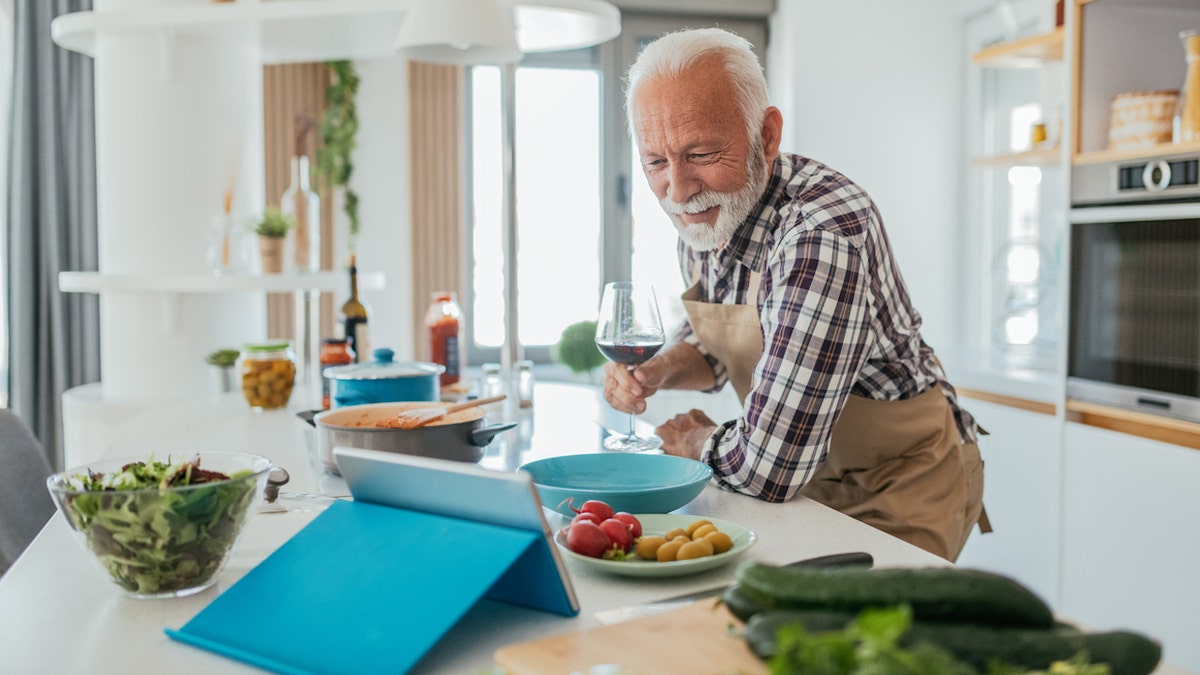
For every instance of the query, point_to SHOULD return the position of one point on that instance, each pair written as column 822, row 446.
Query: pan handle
column 483, row 435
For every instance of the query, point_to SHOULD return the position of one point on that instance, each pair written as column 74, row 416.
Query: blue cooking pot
column 383, row 381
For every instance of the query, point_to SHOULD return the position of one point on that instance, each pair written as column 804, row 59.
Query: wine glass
column 629, row 331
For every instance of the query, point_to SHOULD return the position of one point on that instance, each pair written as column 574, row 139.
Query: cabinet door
column 1021, row 479
column 1131, row 550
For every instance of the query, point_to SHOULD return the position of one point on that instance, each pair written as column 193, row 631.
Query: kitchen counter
column 58, row 614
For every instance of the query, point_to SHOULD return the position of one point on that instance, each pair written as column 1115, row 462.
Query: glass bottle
column 304, row 205
column 524, row 384
column 268, row 373
column 1187, row 118
column 444, row 320
column 355, row 316
column 334, row 352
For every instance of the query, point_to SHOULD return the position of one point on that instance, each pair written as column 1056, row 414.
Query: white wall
column 381, row 178
column 874, row 89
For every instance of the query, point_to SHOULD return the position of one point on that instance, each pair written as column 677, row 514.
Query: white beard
column 735, row 206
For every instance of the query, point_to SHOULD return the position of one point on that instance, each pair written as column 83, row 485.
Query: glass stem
column 631, row 432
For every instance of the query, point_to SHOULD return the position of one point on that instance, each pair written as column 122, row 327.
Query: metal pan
column 460, row 436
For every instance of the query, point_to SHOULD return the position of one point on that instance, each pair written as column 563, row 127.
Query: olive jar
column 268, row 372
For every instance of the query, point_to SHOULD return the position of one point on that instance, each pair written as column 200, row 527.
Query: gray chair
column 25, row 503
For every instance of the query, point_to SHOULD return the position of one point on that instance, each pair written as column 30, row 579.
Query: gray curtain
column 54, row 337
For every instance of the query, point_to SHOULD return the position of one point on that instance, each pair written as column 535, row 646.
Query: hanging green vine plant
column 339, row 129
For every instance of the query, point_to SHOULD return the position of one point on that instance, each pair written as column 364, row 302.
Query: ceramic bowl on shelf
column 631, row 482
column 161, row 528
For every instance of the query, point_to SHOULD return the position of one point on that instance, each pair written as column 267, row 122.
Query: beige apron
column 899, row 466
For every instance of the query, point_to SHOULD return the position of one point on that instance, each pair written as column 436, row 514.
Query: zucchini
column 1125, row 653
column 934, row 593
column 739, row 604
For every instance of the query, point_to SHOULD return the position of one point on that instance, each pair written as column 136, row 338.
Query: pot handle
column 483, row 435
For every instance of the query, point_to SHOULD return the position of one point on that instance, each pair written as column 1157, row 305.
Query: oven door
column 1135, row 308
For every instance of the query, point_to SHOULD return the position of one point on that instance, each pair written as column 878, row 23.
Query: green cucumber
column 934, row 593
column 1125, row 653
column 739, row 604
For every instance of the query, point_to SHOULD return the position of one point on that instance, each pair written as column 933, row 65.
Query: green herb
column 274, row 224
column 222, row 357
column 152, row 536
column 576, row 349
column 872, row 645
column 339, row 129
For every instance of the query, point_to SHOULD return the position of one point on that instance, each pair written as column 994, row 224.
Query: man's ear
column 772, row 132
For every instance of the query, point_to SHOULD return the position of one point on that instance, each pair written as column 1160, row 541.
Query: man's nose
column 684, row 183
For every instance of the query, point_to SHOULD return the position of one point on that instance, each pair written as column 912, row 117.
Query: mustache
column 697, row 203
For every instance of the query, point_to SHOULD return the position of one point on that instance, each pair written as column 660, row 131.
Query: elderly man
column 796, row 300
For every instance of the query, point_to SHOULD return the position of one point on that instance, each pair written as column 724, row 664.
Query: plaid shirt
column 836, row 319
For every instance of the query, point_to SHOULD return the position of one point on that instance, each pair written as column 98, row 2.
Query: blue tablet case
column 369, row 588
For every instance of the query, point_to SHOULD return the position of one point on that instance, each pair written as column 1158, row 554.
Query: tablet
column 468, row 492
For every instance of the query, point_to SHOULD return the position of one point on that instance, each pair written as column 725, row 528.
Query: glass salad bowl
column 161, row 528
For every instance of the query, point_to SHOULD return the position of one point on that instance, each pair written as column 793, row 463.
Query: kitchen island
column 58, row 614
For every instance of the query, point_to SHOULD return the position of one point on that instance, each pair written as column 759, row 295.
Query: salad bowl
column 161, row 528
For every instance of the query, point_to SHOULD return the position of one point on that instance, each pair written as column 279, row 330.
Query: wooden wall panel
column 436, row 136
column 290, row 91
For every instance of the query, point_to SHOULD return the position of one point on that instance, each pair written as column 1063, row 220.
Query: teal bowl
column 631, row 482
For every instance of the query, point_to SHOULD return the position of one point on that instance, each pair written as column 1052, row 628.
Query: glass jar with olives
column 268, row 372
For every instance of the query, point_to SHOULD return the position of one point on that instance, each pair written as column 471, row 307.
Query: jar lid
column 383, row 368
column 269, row 346
column 334, row 341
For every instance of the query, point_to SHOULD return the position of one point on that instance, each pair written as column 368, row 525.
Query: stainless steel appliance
column 1134, row 338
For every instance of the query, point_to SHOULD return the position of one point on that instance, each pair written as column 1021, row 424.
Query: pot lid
column 383, row 368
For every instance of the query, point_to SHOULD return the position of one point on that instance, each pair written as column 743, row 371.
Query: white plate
column 658, row 524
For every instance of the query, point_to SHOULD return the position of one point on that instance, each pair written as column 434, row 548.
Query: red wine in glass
column 629, row 331
column 629, row 352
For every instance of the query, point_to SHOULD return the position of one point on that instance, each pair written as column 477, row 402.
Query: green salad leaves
column 159, row 527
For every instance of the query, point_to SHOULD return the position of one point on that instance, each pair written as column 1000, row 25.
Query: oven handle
column 1133, row 213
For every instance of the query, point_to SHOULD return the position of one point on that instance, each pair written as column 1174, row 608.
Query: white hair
column 673, row 53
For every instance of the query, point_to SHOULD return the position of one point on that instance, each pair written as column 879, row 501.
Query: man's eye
column 653, row 163
column 703, row 156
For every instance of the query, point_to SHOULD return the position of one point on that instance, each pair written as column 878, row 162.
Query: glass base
column 630, row 443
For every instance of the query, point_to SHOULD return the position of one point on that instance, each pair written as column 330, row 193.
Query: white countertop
column 58, row 614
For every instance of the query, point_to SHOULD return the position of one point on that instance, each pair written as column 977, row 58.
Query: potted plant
column 272, row 230
column 576, row 348
column 222, row 362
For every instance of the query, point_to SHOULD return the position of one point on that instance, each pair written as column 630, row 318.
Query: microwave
column 1134, row 306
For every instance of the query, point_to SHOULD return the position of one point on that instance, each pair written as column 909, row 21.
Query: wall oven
column 1134, row 339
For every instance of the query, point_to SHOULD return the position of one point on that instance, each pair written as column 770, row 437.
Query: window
column 558, row 203
column 585, row 215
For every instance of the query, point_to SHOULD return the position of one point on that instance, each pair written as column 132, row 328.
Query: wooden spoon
column 411, row 419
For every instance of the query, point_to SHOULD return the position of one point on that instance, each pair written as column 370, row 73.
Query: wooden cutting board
column 693, row 639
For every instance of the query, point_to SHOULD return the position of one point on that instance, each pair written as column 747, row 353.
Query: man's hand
column 627, row 390
column 677, row 366
column 685, row 434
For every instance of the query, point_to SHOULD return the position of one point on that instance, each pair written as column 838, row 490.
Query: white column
column 178, row 117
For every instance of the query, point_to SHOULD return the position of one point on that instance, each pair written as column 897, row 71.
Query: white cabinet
column 1131, row 539
column 1021, row 487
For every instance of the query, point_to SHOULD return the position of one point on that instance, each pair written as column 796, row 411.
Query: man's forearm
column 685, row 368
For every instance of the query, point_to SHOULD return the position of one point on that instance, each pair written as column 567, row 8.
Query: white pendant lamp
column 477, row 32
column 465, row 32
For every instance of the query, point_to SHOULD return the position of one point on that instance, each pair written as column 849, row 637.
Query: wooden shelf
column 1153, row 427
column 1040, row 157
column 1030, row 52
column 1158, row 151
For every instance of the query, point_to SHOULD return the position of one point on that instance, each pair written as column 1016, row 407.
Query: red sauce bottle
column 334, row 352
column 443, row 320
